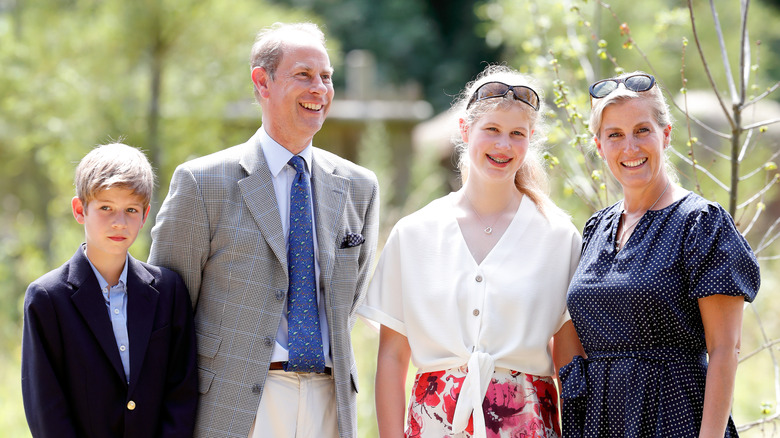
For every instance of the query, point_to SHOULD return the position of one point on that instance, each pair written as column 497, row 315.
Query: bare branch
column 670, row 97
column 702, row 169
column 705, row 126
column 706, row 65
column 771, row 353
column 760, row 168
column 760, row 124
column 713, row 151
column 767, row 240
column 753, row 221
column 744, row 53
column 764, row 94
column 752, row 424
column 691, row 151
column 745, row 144
column 763, row 347
column 723, row 54
column 757, row 195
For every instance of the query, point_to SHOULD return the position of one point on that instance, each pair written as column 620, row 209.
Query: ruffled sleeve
column 384, row 298
column 718, row 260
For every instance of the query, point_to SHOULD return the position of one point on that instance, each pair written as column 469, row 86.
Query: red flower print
column 503, row 402
column 414, row 428
column 516, row 405
column 451, row 398
column 548, row 403
column 428, row 388
column 528, row 426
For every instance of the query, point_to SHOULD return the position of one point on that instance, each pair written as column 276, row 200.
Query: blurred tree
column 433, row 43
column 157, row 74
column 570, row 44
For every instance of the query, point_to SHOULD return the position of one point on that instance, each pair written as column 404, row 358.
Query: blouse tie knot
column 480, row 371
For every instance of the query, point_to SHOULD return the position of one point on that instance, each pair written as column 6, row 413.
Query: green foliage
column 432, row 43
column 570, row 44
column 79, row 73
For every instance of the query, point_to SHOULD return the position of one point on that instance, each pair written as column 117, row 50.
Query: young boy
column 108, row 348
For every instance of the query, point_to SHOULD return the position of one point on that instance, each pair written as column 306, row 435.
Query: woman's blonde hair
column 531, row 179
column 654, row 96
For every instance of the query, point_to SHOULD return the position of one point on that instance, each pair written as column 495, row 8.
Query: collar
column 277, row 155
column 102, row 281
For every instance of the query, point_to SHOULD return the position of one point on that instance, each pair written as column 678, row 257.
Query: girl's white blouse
column 454, row 312
column 428, row 288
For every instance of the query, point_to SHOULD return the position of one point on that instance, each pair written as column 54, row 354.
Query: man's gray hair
column 268, row 48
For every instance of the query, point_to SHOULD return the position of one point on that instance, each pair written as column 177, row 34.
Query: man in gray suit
column 224, row 228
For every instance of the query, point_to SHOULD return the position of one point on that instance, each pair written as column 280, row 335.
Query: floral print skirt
column 517, row 405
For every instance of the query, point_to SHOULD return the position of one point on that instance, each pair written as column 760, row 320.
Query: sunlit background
column 172, row 77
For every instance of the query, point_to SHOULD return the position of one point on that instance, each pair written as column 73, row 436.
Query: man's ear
column 260, row 78
column 78, row 209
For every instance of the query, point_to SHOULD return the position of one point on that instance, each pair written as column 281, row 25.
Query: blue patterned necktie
column 304, row 339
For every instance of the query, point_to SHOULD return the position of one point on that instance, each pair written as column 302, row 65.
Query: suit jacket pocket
column 354, row 378
column 205, row 378
column 208, row 345
column 347, row 263
column 160, row 332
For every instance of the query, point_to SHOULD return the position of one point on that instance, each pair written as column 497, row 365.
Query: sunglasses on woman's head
column 490, row 90
column 638, row 82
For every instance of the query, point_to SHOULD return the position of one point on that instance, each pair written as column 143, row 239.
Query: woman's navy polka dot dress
column 637, row 314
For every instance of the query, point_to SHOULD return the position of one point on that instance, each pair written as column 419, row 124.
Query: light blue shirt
column 282, row 175
column 116, row 304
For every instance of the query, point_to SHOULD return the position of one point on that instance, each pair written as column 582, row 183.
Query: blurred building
column 361, row 106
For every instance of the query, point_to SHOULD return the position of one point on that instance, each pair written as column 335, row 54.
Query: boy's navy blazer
column 73, row 383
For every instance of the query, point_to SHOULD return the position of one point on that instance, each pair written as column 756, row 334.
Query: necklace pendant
column 488, row 230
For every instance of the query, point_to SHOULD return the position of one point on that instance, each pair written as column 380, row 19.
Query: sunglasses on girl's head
column 489, row 90
column 637, row 82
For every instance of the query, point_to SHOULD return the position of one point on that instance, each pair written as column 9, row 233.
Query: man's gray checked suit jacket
column 220, row 229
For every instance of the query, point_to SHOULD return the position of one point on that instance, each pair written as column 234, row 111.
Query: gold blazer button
column 131, row 405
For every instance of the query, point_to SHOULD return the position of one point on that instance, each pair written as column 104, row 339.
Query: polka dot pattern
column 636, row 313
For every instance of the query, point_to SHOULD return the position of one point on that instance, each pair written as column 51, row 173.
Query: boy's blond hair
column 114, row 165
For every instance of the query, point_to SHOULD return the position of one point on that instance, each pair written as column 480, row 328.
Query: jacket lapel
column 89, row 301
column 330, row 194
column 257, row 190
column 141, row 306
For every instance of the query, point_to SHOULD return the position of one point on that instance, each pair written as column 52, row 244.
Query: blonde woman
column 662, row 280
column 473, row 286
